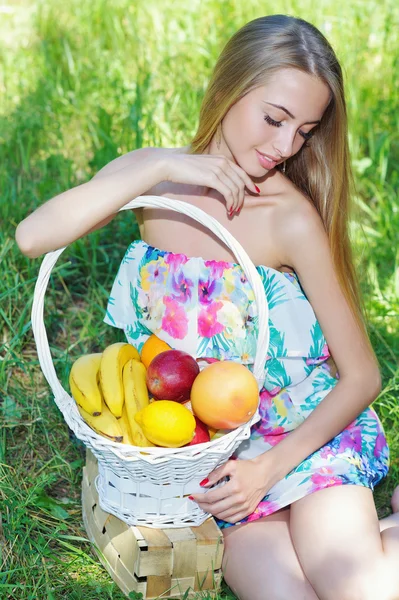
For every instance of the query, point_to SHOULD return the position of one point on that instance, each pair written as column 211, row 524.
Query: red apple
column 201, row 433
column 171, row 374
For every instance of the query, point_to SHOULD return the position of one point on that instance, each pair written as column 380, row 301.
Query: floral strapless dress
column 207, row 308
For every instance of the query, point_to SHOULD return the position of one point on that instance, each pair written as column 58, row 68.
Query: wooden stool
column 155, row 562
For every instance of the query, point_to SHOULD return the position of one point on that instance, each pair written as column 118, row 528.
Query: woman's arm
column 307, row 250
column 300, row 232
column 70, row 215
column 75, row 212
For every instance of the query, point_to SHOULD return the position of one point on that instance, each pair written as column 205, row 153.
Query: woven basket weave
column 151, row 486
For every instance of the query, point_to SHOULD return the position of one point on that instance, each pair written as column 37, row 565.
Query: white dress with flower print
column 208, row 308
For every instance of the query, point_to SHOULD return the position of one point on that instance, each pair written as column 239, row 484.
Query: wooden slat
column 91, row 466
column 100, row 516
column 180, row 585
column 129, row 580
column 181, row 534
column 102, row 541
column 91, row 500
column 208, row 580
column 155, row 538
column 157, row 560
column 209, row 546
column 208, row 532
column 124, row 542
column 184, row 552
column 158, row 585
column 90, row 491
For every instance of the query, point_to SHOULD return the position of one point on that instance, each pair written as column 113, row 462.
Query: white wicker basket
column 150, row 487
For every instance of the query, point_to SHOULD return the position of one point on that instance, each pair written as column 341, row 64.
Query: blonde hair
column 321, row 169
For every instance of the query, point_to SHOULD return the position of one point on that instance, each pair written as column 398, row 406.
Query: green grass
column 81, row 83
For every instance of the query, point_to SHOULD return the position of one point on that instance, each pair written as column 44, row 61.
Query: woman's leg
column 260, row 563
column 392, row 520
column 336, row 535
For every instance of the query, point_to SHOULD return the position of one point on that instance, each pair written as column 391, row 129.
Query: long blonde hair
column 321, row 169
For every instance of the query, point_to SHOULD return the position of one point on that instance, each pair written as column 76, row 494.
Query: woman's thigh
column 336, row 535
column 260, row 562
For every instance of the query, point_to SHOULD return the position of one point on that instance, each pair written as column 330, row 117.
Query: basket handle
column 39, row 330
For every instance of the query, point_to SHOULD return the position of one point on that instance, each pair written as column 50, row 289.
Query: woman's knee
column 260, row 563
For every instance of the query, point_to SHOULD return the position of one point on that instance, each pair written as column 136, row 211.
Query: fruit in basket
column 171, row 375
column 167, row 423
column 84, row 381
column 201, row 433
column 136, row 398
column 125, row 426
column 187, row 404
column 151, row 348
column 212, row 432
column 225, row 395
column 113, row 360
column 220, row 433
column 104, row 424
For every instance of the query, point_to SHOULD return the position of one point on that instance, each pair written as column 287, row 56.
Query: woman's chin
column 259, row 172
column 253, row 170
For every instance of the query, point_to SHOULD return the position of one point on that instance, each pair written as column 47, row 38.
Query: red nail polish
column 191, row 498
column 204, row 481
column 257, row 189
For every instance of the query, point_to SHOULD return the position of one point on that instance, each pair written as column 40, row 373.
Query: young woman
column 271, row 147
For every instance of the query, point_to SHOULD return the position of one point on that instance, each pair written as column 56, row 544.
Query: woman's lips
column 266, row 163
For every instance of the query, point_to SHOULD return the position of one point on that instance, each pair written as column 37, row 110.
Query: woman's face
column 272, row 122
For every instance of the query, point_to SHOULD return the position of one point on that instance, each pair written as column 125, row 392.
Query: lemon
column 166, row 423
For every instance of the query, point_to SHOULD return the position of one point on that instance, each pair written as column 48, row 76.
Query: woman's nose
column 284, row 142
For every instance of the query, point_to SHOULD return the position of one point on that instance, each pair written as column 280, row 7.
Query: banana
column 136, row 398
column 84, row 383
column 124, row 423
column 113, row 360
column 105, row 424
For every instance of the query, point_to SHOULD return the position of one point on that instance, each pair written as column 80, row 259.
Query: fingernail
column 191, row 498
column 204, row 482
column 257, row 189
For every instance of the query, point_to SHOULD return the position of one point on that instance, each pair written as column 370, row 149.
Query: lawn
column 80, row 84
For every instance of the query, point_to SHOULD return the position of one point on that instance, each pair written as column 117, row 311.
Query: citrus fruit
column 212, row 431
column 224, row 395
column 151, row 348
column 167, row 423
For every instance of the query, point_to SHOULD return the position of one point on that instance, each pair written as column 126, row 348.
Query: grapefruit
column 224, row 395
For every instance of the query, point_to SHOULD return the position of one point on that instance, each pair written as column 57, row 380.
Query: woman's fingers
column 246, row 178
column 226, row 506
column 240, row 183
column 241, row 180
column 228, row 188
column 218, row 172
column 231, row 516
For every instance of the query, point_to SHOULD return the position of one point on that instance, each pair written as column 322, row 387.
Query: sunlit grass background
column 81, row 83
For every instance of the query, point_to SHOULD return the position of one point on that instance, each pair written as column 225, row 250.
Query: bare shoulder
column 296, row 223
column 304, row 244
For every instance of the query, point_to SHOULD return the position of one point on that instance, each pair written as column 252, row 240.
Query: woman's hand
column 212, row 171
column 250, row 480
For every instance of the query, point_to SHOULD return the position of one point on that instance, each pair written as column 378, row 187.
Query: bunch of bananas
column 110, row 389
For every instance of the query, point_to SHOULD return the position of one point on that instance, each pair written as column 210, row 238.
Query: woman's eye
column 306, row 136
column 272, row 121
